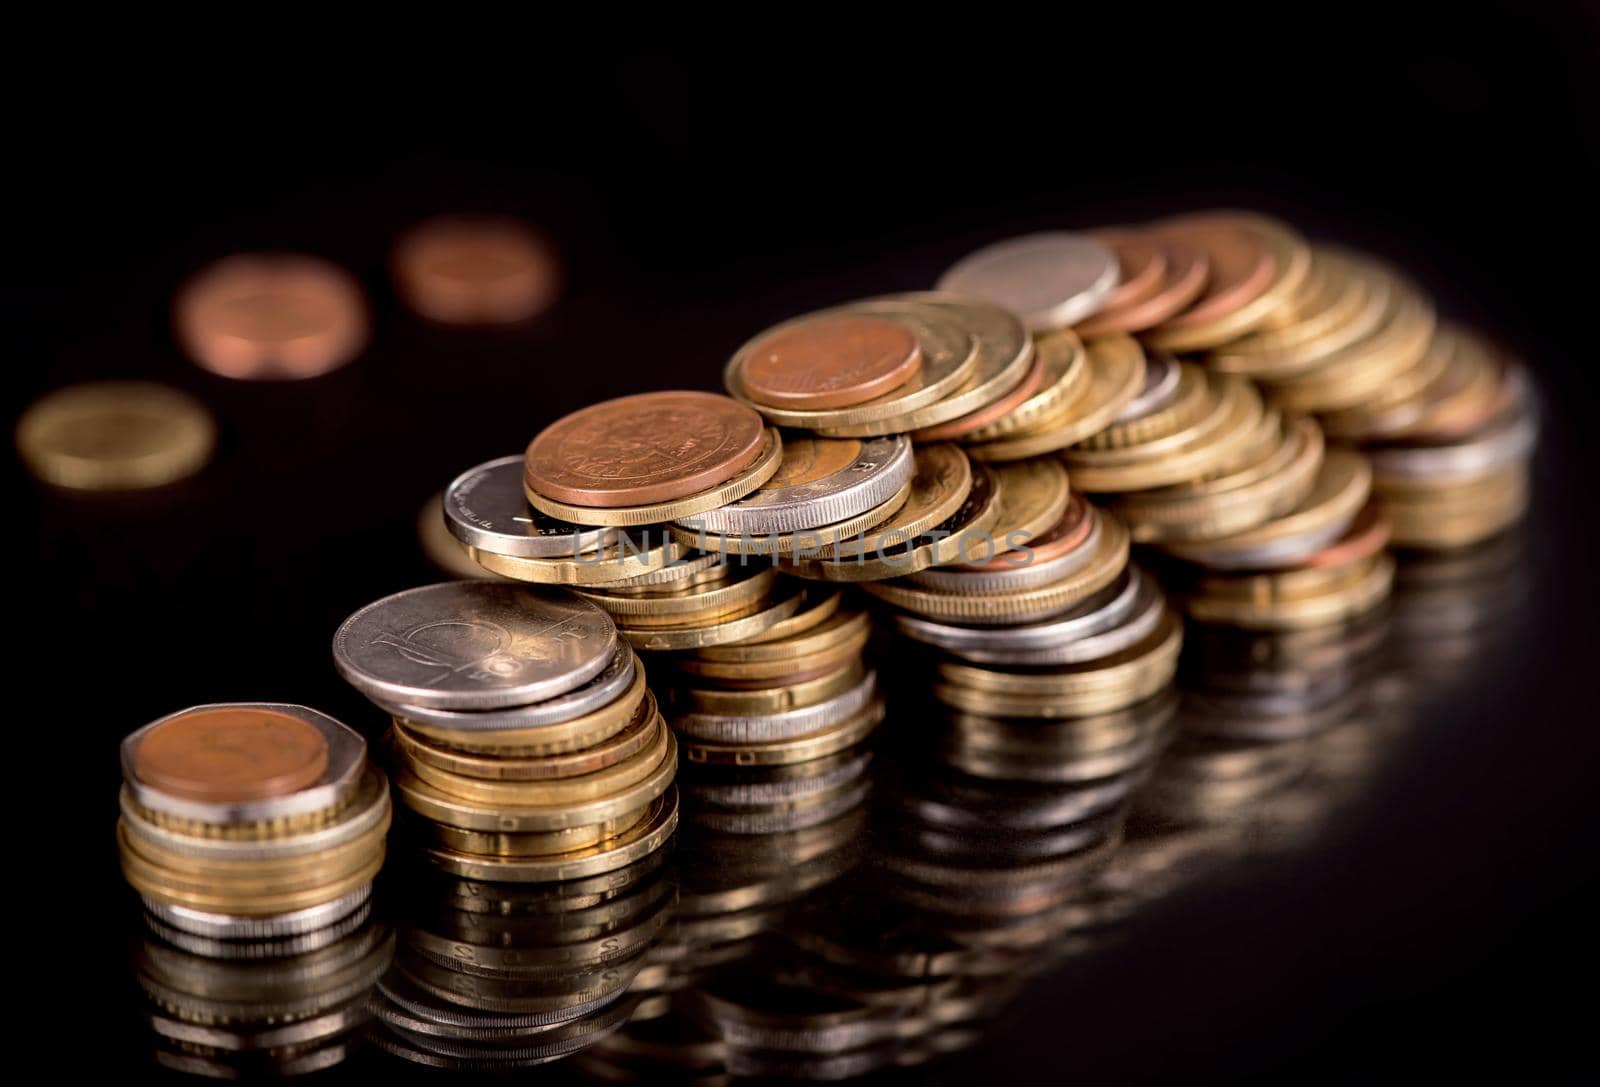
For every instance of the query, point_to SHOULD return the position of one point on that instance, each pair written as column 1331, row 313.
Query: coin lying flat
column 648, row 448
column 1049, row 280
column 830, row 360
column 476, row 270
column 224, row 754
column 473, row 645
column 485, row 508
column 115, row 436
column 271, row 316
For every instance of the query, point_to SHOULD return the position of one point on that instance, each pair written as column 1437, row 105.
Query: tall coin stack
column 250, row 821
column 524, row 739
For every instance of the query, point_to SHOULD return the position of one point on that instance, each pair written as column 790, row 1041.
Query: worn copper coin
column 1240, row 260
column 266, row 316
column 476, row 270
column 652, row 447
column 230, row 755
column 832, row 360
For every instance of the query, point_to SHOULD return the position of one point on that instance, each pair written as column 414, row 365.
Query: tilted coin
column 639, row 553
column 1051, row 280
column 737, row 588
column 115, row 436
column 476, row 270
column 829, row 360
column 940, row 483
column 839, row 627
column 772, row 699
column 1064, row 379
column 801, row 542
column 485, row 508
column 803, row 748
column 610, row 684
column 471, row 645
column 1346, row 599
column 1116, row 374
column 1001, row 407
column 1148, row 608
column 548, row 738
column 647, row 448
column 821, row 481
column 265, row 316
column 1185, row 271
column 1034, row 495
column 1049, row 556
column 441, row 548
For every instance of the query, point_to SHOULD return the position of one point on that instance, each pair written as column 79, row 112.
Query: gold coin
column 509, row 818
column 1109, row 559
column 1343, row 601
column 640, row 840
column 820, row 604
column 634, row 706
column 736, row 628
column 532, row 844
column 1189, row 401
column 623, row 559
column 1116, row 374
column 772, row 699
column 780, row 668
column 841, row 628
column 1292, row 263
column 940, row 483
column 1066, row 377
column 734, row 590
column 115, row 436
column 1360, row 371
column 1033, row 497
column 805, row 541
column 1348, row 305
column 247, row 875
column 1463, row 395
column 692, row 569
column 443, row 549
column 813, row 745
column 746, row 482
column 1189, row 454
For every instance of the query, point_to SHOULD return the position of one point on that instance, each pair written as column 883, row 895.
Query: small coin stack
column 250, row 821
column 495, row 976
column 525, row 739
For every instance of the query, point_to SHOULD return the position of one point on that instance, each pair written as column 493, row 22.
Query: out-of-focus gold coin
column 115, row 436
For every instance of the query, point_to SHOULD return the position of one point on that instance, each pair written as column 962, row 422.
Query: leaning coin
column 1066, row 377
column 115, row 436
column 472, row 645
column 940, row 483
column 1051, row 280
column 631, row 555
column 820, row 481
column 1116, row 374
column 828, row 360
column 736, row 589
column 485, row 508
column 1053, row 554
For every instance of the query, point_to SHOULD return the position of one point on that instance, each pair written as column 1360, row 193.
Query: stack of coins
column 525, row 740
column 227, row 1008
column 496, row 976
column 250, row 821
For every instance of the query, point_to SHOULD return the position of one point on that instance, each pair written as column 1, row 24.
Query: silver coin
column 1161, row 374
column 1510, row 439
column 769, row 727
column 1103, row 610
column 1271, row 555
column 881, row 467
column 276, row 948
column 953, row 579
column 1050, row 280
column 271, row 1038
column 347, row 758
column 473, row 645
column 602, row 690
column 222, row 926
column 370, row 807
column 1148, row 608
column 484, row 507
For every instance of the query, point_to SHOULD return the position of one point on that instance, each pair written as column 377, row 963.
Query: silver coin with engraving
column 1050, row 280
column 473, row 645
column 484, row 507
column 822, row 481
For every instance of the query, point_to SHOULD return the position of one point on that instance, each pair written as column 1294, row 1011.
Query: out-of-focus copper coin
column 271, row 316
column 1241, row 264
column 1141, row 262
column 476, row 270
column 226, row 755
column 637, row 450
column 832, row 360
column 991, row 412
column 1185, row 271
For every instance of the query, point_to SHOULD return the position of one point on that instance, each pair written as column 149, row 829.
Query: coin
column 1050, row 280
column 1033, row 496
column 632, row 740
column 548, row 738
column 115, row 436
column 1240, row 261
column 476, row 270
column 1116, row 374
column 722, row 629
column 821, row 481
column 735, row 590
column 780, row 725
column 813, row 745
column 263, row 316
column 940, row 482
column 828, row 360
column 1185, row 271
column 646, row 448
column 1229, row 315
column 990, row 413
column 610, row 684
column 471, row 645
column 775, row 699
column 841, row 627
column 485, row 508
column 442, row 549
column 227, row 754
column 1038, row 560
column 630, row 555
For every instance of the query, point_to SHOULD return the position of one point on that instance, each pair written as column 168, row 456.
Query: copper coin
column 832, row 360
column 1242, row 265
column 1141, row 262
column 476, row 270
column 991, row 412
column 266, row 316
column 1185, row 272
column 652, row 447
column 229, row 755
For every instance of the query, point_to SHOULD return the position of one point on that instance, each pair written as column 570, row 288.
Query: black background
column 694, row 200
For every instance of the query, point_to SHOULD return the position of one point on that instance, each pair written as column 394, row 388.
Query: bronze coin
column 1242, row 265
column 1367, row 535
column 1142, row 263
column 991, row 412
column 476, row 270
column 229, row 755
column 832, row 360
column 265, row 316
column 1185, row 272
column 636, row 450
column 806, row 460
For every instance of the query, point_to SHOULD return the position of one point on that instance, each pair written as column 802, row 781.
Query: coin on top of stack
column 525, row 739
column 247, row 821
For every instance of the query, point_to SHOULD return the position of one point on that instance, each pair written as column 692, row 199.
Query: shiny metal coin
column 1050, row 280
column 485, row 508
column 221, row 926
column 822, row 481
column 1026, row 575
column 1148, row 607
column 473, row 645
column 602, row 690
column 276, row 948
column 768, row 727
column 1102, row 611
column 1161, row 374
